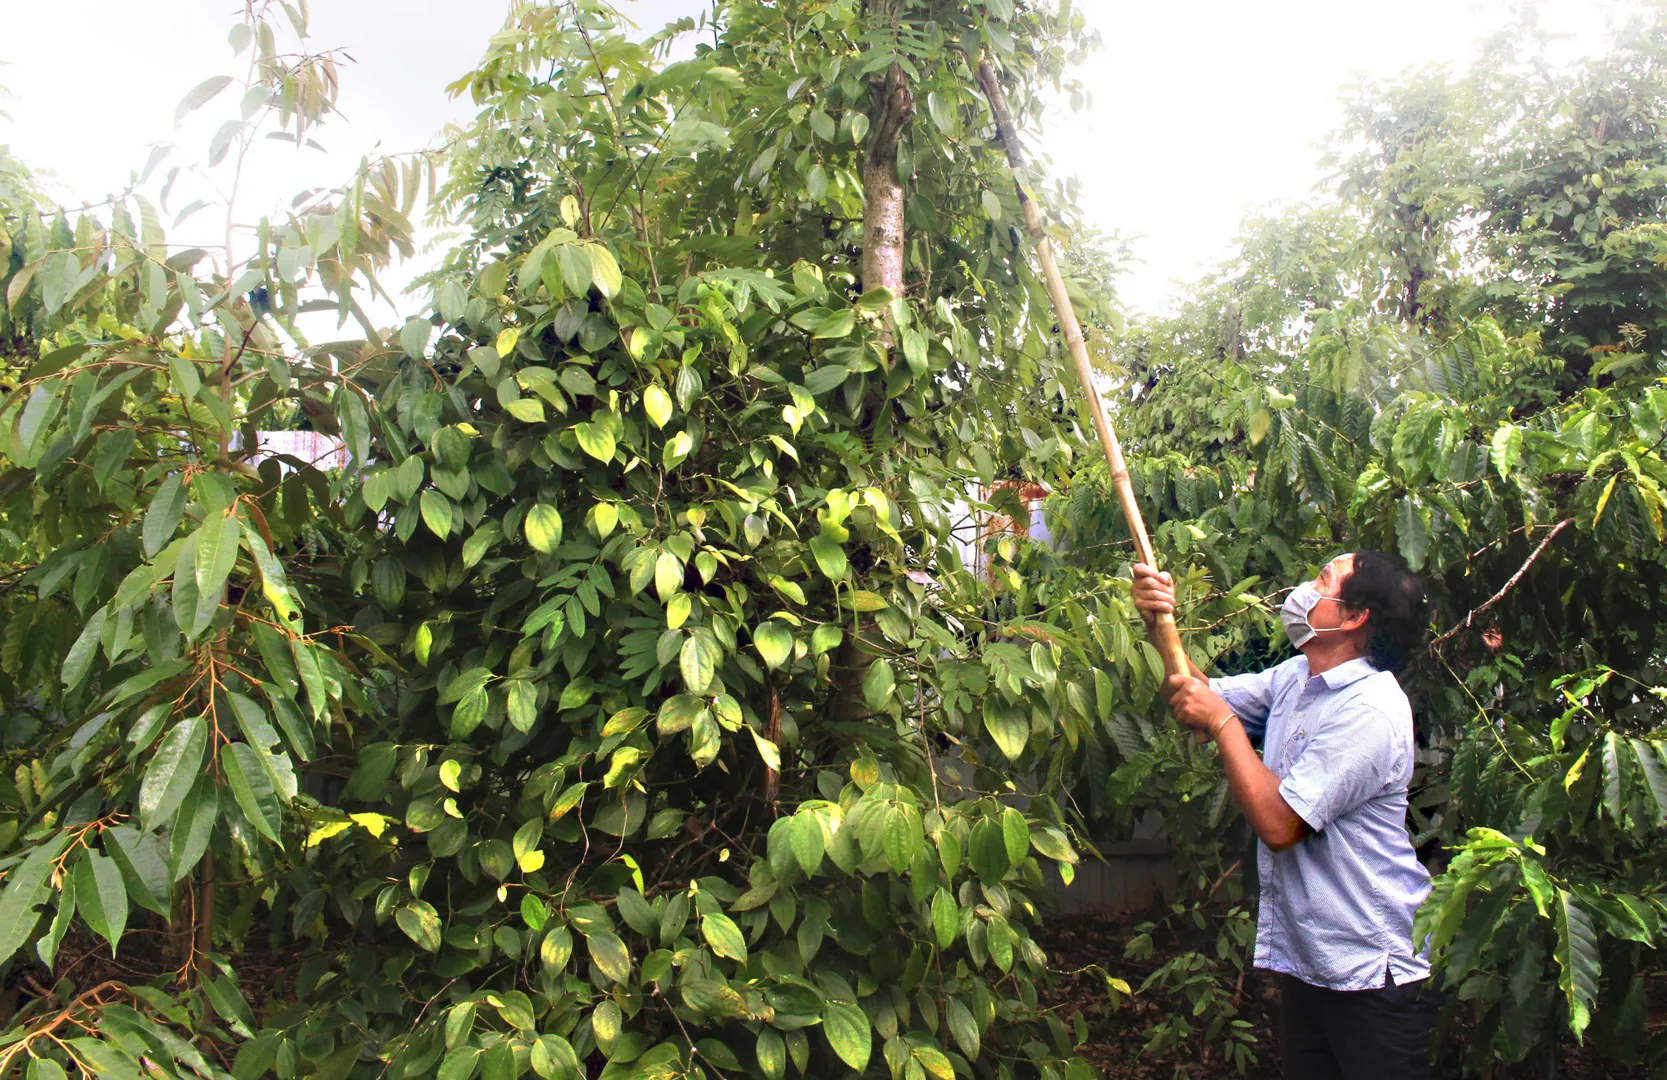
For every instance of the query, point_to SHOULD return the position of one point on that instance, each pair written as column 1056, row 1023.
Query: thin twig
column 1503, row 589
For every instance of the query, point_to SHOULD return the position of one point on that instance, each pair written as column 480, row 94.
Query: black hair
column 1393, row 597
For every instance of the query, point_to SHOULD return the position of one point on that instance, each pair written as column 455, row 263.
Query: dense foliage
column 623, row 704
column 1458, row 356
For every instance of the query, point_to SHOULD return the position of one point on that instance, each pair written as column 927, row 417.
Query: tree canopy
column 623, row 703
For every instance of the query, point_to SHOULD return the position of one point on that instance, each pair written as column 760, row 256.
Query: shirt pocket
column 1295, row 744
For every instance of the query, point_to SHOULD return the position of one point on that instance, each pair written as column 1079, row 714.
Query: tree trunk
column 882, row 188
column 882, row 267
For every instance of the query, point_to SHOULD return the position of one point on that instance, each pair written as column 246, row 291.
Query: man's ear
column 1353, row 618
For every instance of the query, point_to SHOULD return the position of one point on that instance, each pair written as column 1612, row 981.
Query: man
column 1328, row 800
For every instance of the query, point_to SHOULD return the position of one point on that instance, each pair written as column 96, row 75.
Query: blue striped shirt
column 1336, row 910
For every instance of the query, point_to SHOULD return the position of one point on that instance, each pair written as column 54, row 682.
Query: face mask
column 1294, row 614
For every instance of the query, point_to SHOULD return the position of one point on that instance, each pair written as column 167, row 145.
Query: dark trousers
column 1356, row 1034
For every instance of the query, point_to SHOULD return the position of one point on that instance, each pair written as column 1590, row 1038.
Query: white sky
column 1203, row 111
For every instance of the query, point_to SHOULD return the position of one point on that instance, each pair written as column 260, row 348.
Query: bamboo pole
column 1164, row 634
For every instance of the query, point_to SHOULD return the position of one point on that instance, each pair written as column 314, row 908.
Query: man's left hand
column 1193, row 702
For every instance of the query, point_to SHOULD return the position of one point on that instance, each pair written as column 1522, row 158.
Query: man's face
column 1328, row 613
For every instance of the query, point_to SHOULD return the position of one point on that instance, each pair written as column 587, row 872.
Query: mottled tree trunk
column 882, row 187
column 882, row 267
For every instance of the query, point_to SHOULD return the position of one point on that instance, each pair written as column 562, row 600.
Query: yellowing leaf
column 657, row 404
column 325, row 831
column 543, row 527
column 1603, row 500
column 371, row 823
column 774, row 642
column 604, row 270
column 595, row 440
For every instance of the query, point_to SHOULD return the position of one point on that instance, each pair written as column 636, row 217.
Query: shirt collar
column 1350, row 671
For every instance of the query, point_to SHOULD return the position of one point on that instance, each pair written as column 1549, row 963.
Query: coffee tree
column 623, row 704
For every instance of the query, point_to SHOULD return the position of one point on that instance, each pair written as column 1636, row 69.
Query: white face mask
column 1294, row 614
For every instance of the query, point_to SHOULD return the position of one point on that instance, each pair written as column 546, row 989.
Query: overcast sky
column 1202, row 111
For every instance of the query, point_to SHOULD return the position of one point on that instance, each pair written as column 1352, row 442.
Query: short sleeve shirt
column 1336, row 909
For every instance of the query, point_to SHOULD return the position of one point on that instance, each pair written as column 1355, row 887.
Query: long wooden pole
column 1164, row 633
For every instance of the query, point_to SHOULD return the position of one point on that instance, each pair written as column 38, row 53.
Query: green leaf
column 1053, row 844
column 1612, row 786
column 101, row 897
column 878, row 684
column 437, row 512
column 1507, row 449
column 804, row 837
column 824, row 379
column 934, row 1062
column 421, row 924
column 138, row 855
column 901, row 836
column 200, row 95
column 942, row 112
column 987, row 851
column 527, row 410
column 1539, row 886
column 217, row 542
column 193, row 826
column 252, row 788
column 1654, row 776
column 610, row 955
column 999, row 939
column 79, row 660
column 172, row 770
column 946, row 918
column 596, row 440
column 992, row 204
column 836, row 324
column 637, row 912
column 517, row 1010
column 46, row 946
column 698, row 660
column 1577, row 961
column 848, row 1032
column 543, row 527
column 772, row 1053
column 962, row 1027
column 460, row 1063
column 461, row 686
column 1412, row 531
column 774, row 642
column 1016, row 834
column 228, row 1002
column 1008, row 726
column 830, row 557
column 162, row 517
column 27, row 887
column 724, row 936
column 521, row 704
column 413, row 337
column 668, row 575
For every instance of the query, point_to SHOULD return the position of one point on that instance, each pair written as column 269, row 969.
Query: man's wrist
column 1215, row 728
